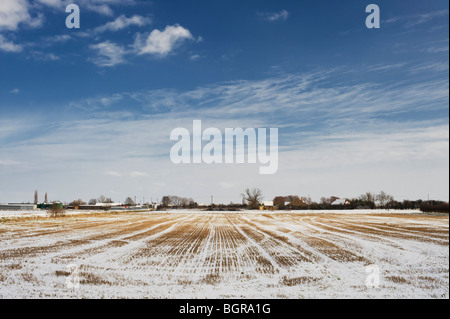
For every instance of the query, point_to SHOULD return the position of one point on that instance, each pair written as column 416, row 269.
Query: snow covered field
column 185, row 254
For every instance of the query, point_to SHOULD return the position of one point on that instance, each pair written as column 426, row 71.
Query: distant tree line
column 434, row 207
column 92, row 201
column 177, row 201
column 367, row 200
column 253, row 199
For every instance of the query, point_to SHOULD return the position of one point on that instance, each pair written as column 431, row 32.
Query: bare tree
column 77, row 202
column 103, row 199
column 46, row 198
column 177, row 201
column 368, row 197
column 92, row 201
column 56, row 210
column 326, row 200
column 253, row 197
column 384, row 199
column 308, row 201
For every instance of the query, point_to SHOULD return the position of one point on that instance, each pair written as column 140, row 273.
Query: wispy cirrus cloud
column 410, row 21
column 320, row 95
column 43, row 56
column 425, row 17
column 274, row 16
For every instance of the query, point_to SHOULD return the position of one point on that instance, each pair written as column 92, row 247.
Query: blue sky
column 89, row 111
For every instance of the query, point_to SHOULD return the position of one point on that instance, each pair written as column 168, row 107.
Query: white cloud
column 52, row 3
column 15, row 91
column 227, row 185
column 195, row 57
column 114, row 152
column 161, row 43
column 109, row 54
column 8, row 163
column 9, row 46
column 123, row 22
column 100, row 9
column 13, row 13
column 137, row 174
column 274, row 16
column 113, row 173
column 131, row 174
column 58, row 38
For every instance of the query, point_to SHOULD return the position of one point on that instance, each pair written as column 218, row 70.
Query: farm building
column 108, row 204
column 297, row 203
column 267, row 205
column 48, row 205
column 18, row 206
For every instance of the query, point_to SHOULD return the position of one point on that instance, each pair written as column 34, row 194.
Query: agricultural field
column 225, row 255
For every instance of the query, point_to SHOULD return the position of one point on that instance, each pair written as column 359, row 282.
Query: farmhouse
column 297, row 203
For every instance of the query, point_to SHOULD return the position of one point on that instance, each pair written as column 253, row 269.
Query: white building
column 268, row 203
column 18, row 206
column 108, row 204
